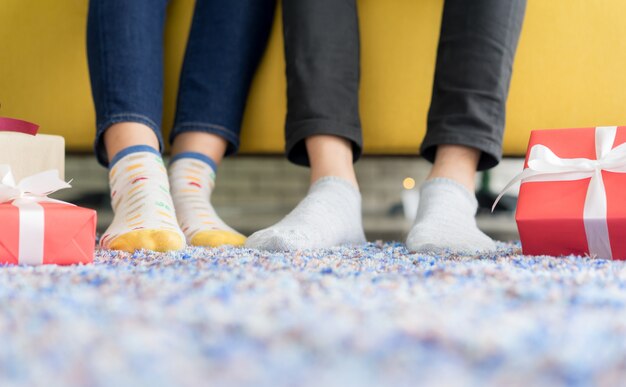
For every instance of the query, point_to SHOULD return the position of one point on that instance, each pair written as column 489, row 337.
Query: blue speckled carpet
column 341, row 317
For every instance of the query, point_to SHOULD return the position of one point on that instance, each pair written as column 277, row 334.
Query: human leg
column 125, row 61
column 322, row 128
column 330, row 156
column 466, row 120
column 226, row 42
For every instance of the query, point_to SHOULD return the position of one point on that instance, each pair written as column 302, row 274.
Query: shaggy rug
column 369, row 316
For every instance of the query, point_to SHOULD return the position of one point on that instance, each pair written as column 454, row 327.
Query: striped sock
column 140, row 197
column 192, row 176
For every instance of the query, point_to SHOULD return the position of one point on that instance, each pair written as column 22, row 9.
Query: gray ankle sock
column 446, row 220
column 330, row 215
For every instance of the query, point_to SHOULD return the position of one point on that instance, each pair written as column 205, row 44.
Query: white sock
column 192, row 176
column 330, row 215
column 140, row 197
column 446, row 220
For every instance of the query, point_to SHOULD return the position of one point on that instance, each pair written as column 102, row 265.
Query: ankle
column 210, row 145
column 330, row 156
column 127, row 134
column 457, row 163
column 348, row 176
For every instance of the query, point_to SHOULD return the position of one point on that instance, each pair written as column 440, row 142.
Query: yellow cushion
column 568, row 73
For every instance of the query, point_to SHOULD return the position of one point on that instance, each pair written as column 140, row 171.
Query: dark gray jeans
column 472, row 76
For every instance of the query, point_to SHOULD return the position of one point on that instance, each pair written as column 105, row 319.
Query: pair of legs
column 465, row 122
column 158, row 208
column 125, row 49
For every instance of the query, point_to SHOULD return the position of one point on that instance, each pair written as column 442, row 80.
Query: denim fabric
column 125, row 53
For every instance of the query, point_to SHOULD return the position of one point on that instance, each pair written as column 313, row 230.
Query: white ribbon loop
column 544, row 165
column 26, row 195
column 32, row 188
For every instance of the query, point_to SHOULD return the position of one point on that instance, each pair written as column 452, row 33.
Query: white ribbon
column 26, row 196
column 544, row 165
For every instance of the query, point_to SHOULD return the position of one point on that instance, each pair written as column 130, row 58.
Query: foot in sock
column 446, row 220
column 140, row 197
column 192, row 177
column 330, row 215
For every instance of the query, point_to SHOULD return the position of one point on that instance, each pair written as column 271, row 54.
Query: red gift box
column 54, row 233
column 571, row 199
column 35, row 229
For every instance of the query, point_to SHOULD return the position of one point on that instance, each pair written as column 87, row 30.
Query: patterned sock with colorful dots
column 140, row 197
column 192, row 176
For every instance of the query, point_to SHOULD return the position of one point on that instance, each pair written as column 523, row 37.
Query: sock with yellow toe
column 192, row 177
column 140, row 197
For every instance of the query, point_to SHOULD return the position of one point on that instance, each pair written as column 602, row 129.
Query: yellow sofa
column 569, row 71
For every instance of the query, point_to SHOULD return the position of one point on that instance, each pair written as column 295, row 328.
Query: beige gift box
column 28, row 154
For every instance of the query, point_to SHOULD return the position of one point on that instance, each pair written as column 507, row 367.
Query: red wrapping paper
column 69, row 234
column 550, row 213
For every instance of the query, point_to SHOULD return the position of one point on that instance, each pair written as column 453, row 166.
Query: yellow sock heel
column 215, row 238
column 192, row 178
column 156, row 240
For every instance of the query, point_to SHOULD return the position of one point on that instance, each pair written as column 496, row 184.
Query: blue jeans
column 125, row 53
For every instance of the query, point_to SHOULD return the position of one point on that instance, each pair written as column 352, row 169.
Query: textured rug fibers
column 368, row 316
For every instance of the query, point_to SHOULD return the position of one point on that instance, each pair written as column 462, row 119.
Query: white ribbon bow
column 544, row 165
column 32, row 188
column 26, row 195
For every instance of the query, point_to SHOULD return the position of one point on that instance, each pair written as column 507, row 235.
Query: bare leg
column 456, row 162
column 330, row 156
column 210, row 145
column 125, row 134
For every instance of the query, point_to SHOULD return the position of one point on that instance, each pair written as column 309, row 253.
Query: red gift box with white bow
column 572, row 198
column 35, row 229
